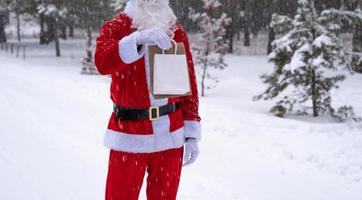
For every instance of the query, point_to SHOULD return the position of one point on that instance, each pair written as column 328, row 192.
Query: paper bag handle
column 176, row 47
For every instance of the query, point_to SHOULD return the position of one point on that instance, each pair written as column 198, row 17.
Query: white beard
column 152, row 14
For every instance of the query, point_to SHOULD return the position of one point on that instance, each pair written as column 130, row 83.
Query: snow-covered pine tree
column 352, row 21
column 309, row 63
column 210, row 53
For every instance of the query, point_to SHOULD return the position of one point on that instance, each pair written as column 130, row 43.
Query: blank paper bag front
column 171, row 75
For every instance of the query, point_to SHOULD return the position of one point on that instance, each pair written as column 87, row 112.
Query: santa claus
column 145, row 134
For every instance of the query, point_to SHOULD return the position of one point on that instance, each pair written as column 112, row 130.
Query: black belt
column 152, row 113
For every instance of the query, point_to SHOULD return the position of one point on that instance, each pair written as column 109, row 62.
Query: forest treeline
column 248, row 16
column 58, row 18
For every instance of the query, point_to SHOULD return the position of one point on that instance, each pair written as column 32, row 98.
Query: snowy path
column 52, row 121
column 46, row 152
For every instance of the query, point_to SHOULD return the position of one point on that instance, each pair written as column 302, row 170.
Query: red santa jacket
column 117, row 55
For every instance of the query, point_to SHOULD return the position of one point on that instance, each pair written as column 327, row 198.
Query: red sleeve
column 107, row 58
column 190, row 104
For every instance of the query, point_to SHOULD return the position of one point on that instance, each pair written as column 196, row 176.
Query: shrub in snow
column 210, row 55
column 309, row 62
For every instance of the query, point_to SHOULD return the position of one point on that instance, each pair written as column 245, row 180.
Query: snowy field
column 52, row 121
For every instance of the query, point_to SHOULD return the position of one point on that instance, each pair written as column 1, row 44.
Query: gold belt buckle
column 154, row 110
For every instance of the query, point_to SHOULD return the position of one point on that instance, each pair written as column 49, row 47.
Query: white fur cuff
column 192, row 129
column 128, row 49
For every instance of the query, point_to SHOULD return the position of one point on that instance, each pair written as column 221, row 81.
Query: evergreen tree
column 212, row 32
column 281, row 7
column 309, row 62
column 349, row 17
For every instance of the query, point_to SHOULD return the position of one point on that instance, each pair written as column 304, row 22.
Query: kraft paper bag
column 169, row 72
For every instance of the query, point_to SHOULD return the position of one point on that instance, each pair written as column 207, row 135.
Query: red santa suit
column 140, row 145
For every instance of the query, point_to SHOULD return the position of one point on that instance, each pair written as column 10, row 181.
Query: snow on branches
column 210, row 53
column 309, row 63
column 345, row 18
column 52, row 10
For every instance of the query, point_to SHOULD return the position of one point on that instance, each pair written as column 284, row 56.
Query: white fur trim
column 120, row 141
column 192, row 129
column 129, row 9
column 128, row 48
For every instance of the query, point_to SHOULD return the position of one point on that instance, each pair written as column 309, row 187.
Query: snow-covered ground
column 52, row 121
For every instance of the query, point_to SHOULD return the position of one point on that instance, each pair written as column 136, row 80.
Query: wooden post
column 12, row 48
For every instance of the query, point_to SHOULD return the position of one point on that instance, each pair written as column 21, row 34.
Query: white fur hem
column 120, row 141
column 192, row 129
column 128, row 49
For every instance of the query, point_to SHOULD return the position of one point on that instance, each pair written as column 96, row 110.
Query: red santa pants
column 126, row 172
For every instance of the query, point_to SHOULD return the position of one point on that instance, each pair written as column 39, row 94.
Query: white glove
column 154, row 36
column 191, row 151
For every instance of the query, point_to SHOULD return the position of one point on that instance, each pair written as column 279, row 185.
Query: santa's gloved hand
column 154, row 36
column 191, row 151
